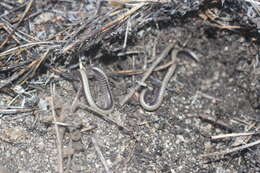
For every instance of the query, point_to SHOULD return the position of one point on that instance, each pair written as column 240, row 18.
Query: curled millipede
column 167, row 77
column 101, row 76
column 105, row 87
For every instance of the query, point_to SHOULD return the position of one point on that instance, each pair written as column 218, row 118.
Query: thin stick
column 106, row 118
column 216, row 122
column 137, row 1
column 100, row 155
column 147, row 73
column 123, row 17
column 10, row 32
column 233, row 135
column 15, row 111
column 27, row 72
column 13, row 10
column 59, row 143
column 76, row 99
column 131, row 72
column 20, row 33
column 233, row 149
column 32, row 71
column 208, row 96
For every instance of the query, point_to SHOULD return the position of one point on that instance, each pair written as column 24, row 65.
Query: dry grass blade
column 14, row 111
column 100, row 155
column 23, row 47
column 118, row 2
column 123, row 17
column 233, row 149
column 13, row 10
column 233, row 135
column 28, row 72
column 18, row 32
column 106, row 27
column 15, row 76
column 59, row 142
column 32, row 71
column 10, row 33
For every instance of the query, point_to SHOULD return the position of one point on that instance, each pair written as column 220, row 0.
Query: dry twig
column 59, row 142
column 216, row 122
column 147, row 73
column 233, row 135
column 100, row 155
column 22, row 47
column 232, row 150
